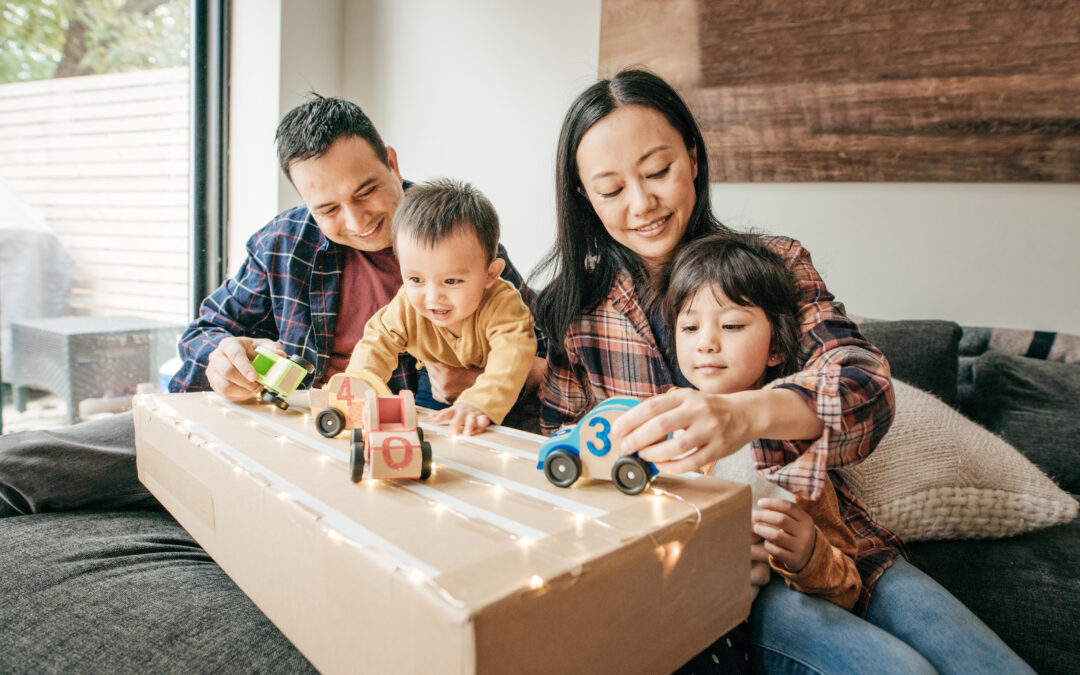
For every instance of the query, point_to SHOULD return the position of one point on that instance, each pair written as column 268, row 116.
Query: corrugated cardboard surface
column 485, row 567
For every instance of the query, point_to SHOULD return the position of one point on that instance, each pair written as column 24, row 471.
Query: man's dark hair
column 749, row 274
column 309, row 129
column 432, row 211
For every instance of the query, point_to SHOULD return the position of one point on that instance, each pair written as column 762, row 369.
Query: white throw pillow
column 938, row 475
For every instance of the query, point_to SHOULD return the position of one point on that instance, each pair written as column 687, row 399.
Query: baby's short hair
column 748, row 273
column 432, row 211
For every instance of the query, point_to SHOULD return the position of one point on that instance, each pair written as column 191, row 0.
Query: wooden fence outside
column 104, row 159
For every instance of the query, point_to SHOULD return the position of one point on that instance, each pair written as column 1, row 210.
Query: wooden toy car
column 339, row 404
column 278, row 375
column 588, row 449
column 384, row 429
column 389, row 439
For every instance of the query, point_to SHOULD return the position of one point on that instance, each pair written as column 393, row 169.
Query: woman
column 632, row 183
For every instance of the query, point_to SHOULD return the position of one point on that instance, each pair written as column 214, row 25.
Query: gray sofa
column 1027, row 587
column 125, row 591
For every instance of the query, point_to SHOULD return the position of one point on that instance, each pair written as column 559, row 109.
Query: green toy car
column 278, row 375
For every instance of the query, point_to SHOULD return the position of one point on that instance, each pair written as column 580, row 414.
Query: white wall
column 978, row 254
column 280, row 51
column 477, row 89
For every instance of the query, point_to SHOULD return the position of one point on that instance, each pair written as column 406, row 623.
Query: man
column 311, row 280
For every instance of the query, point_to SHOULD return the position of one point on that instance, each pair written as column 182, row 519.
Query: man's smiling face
column 351, row 193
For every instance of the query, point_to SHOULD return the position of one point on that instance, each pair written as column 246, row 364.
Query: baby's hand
column 788, row 531
column 464, row 419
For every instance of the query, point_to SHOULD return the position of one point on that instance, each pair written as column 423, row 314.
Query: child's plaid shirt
column 611, row 351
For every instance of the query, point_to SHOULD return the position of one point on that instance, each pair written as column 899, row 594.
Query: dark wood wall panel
column 867, row 91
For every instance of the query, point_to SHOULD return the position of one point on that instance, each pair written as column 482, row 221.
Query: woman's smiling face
column 639, row 177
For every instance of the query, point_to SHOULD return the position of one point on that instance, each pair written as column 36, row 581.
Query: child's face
column 722, row 347
column 446, row 282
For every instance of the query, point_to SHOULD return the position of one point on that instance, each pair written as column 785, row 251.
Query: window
column 95, row 200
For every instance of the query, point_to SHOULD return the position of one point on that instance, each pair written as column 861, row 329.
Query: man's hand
column 464, row 419
column 447, row 383
column 788, row 531
column 229, row 370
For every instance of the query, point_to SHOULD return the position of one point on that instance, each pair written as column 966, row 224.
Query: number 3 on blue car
column 588, row 449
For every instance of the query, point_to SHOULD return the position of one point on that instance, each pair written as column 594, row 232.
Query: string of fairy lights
column 344, row 530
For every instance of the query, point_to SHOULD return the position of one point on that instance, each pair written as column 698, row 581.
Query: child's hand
column 464, row 419
column 788, row 531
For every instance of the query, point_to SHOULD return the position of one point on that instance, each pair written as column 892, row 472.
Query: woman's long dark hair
column 585, row 259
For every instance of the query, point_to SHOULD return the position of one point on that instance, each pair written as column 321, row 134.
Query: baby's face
column 722, row 347
column 446, row 282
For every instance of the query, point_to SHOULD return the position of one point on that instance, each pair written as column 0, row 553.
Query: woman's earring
column 592, row 254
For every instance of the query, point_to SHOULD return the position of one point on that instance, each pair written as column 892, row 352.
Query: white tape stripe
column 344, row 525
column 517, row 433
column 473, row 440
column 465, row 508
column 535, row 493
column 314, row 444
column 501, row 522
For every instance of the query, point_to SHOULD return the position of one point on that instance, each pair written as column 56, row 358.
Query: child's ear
column 495, row 268
column 775, row 359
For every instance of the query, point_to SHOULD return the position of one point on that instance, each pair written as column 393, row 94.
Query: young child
column 730, row 304
column 452, row 308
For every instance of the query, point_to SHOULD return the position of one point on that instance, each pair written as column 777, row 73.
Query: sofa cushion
column 938, row 475
column 125, row 592
column 1024, row 588
column 1035, row 406
column 921, row 353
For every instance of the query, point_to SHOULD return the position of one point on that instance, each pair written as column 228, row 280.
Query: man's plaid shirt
column 611, row 351
column 286, row 290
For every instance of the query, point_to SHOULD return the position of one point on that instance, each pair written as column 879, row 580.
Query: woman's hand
column 447, row 383
column 788, row 531
column 229, row 370
column 716, row 425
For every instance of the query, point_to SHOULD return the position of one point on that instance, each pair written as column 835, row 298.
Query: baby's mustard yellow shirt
column 498, row 337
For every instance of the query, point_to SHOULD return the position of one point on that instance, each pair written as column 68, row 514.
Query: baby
column 452, row 308
column 731, row 304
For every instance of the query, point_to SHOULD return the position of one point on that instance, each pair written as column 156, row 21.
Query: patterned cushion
column 938, row 475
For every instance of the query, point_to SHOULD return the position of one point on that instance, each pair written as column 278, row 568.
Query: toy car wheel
column 425, row 454
column 270, row 397
column 330, row 422
column 356, row 458
column 631, row 475
column 303, row 363
column 562, row 468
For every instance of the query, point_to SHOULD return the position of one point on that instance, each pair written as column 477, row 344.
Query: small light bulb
column 416, row 576
column 536, row 582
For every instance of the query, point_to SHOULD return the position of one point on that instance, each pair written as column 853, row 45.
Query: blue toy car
column 588, row 449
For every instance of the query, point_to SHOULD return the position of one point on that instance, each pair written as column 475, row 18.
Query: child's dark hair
column 309, row 129
column 749, row 274
column 431, row 211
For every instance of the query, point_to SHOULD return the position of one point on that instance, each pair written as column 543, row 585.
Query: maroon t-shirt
column 368, row 282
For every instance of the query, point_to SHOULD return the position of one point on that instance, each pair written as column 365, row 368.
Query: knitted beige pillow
column 938, row 475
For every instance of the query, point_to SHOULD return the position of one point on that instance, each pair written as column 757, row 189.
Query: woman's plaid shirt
column 611, row 351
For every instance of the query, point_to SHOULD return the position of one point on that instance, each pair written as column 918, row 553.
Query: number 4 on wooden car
column 384, row 429
column 589, row 449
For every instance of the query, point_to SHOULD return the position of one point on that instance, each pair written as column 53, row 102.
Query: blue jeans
column 913, row 625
